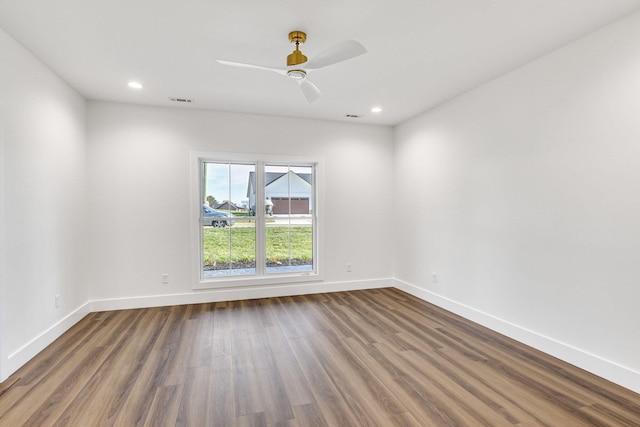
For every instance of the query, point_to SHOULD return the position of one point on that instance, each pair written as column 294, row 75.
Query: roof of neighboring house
column 270, row 177
column 228, row 204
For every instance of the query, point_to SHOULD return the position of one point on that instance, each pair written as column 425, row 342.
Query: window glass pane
column 229, row 251
column 288, row 194
column 228, row 230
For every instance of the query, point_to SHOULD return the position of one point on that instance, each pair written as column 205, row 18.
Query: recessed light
column 376, row 110
column 135, row 85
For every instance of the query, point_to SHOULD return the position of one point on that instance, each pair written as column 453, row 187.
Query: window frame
column 261, row 277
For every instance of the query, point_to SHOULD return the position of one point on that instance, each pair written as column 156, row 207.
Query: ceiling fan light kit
column 297, row 74
column 337, row 53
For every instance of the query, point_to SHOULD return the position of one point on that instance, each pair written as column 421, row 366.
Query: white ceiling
column 420, row 52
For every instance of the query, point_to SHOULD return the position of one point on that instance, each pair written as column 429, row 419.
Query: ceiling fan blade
column 256, row 67
column 309, row 90
column 337, row 53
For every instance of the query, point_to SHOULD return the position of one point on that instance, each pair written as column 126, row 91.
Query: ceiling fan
column 337, row 53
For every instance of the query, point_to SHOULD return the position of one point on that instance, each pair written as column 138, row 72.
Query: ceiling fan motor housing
column 296, row 56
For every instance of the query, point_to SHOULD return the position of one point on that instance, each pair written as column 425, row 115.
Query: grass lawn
column 237, row 244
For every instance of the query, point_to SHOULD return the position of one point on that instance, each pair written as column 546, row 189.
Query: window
column 257, row 222
column 288, row 217
column 228, row 236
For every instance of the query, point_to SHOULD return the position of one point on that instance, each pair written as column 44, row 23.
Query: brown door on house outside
column 299, row 205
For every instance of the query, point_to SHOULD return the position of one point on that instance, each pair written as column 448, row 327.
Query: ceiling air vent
column 183, row 100
column 352, row 116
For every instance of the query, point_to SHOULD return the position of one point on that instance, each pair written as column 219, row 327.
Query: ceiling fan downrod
column 296, row 57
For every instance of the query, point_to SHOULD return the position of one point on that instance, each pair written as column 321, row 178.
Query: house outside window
column 286, row 192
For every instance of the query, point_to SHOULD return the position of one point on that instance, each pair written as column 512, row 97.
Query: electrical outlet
column 348, row 267
column 165, row 278
column 57, row 301
column 434, row 278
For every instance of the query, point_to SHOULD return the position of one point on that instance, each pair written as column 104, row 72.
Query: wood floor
column 363, row 358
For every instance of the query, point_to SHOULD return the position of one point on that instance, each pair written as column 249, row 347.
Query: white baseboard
column 595, row 364
column 235, row 294
column 25, row 353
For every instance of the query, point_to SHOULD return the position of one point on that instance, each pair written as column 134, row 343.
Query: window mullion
column 289, row 216
column 261, row 222
column 202, row 167
column 314, row 215
column 228, row 229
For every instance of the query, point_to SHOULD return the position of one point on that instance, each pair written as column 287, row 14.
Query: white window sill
column 245, row 281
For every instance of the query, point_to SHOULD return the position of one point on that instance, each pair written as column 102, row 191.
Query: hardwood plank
column 246, row 388
column 389, row 375
column 165, row 405
column 222, row 406
column 252, row 420
column 496, row 393
column 607, row 417
column 276, row 402
column 334, row 408
column 437, row 405
column 8, row 384
column 309, row 415
column 136, row 408
column 202, row 342
column 367, row 398
column 295, row 385
column 195, row 399
column 221, row 332
column 179, row 341
column 471, row 401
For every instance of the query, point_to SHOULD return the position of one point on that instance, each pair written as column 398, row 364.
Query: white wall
column 140, row 201
column 3, row 298
column 525, row 200
column 44, row 209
